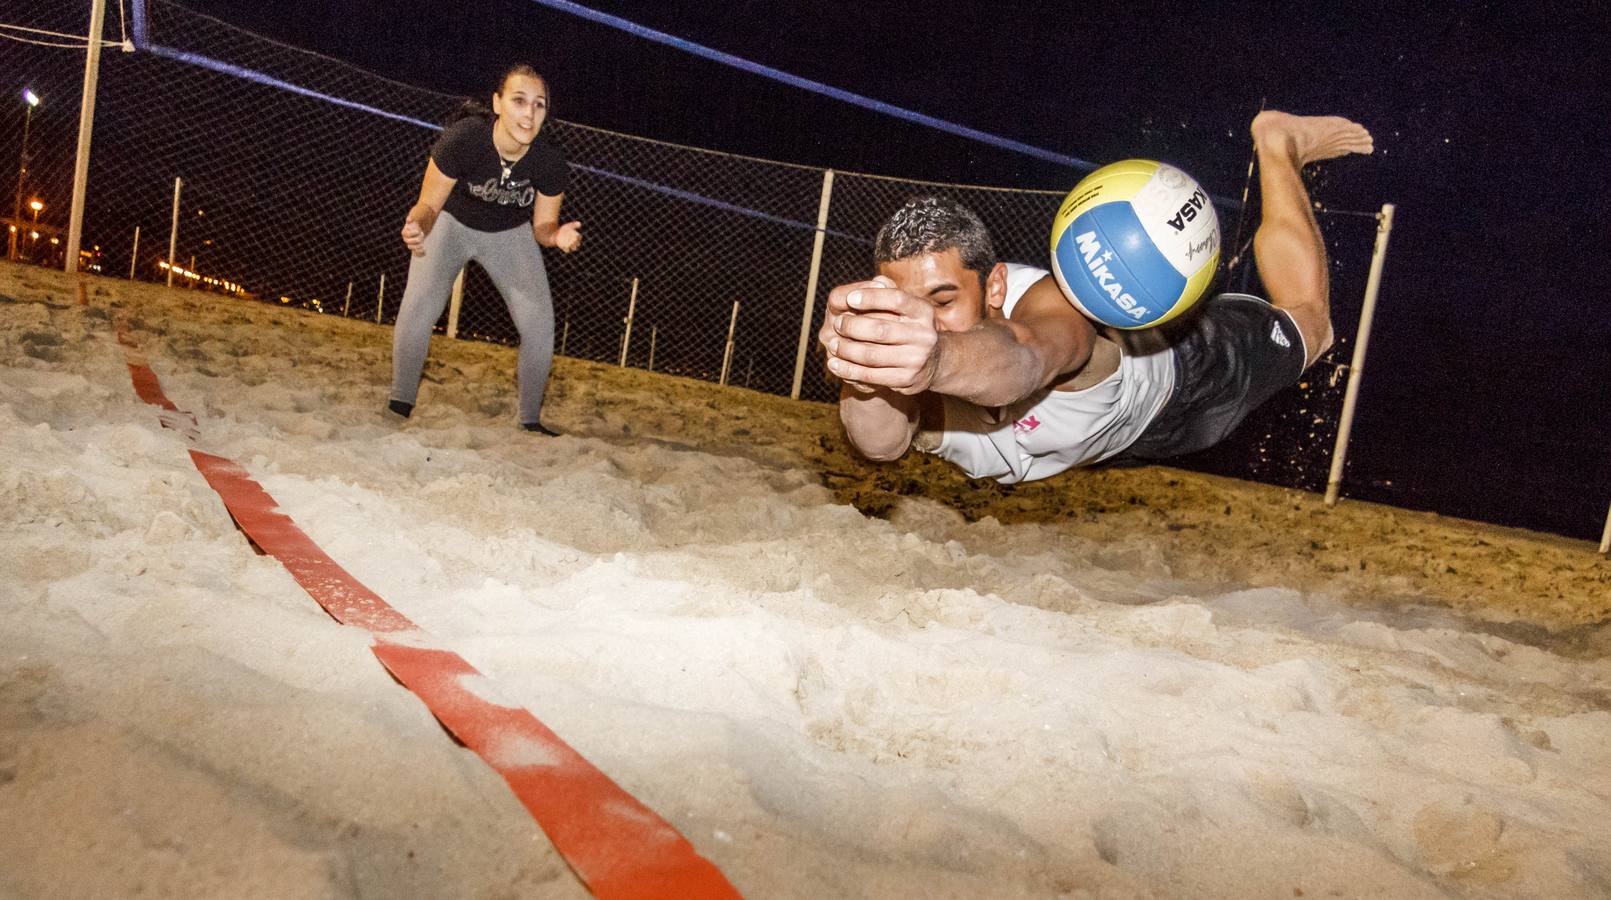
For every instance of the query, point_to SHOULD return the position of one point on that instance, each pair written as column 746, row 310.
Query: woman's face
column 521, row 106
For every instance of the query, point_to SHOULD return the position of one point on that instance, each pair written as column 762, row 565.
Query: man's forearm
column 879, row 424
column 987, row 366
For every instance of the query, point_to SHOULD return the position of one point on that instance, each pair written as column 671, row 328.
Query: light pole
column 33, row 236
column 32, row 100
column 37, row 206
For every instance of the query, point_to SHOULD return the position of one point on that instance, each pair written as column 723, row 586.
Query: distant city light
column 35, row 205
column 182, row 272
column 31, row 97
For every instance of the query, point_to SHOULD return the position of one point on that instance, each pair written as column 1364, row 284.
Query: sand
column 836, row 679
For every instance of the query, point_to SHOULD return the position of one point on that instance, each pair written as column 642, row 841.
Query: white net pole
column 1356, row 368
column 626, row 334
column 455, row 304
column 173, row 228
column 86, row 127
column 811, row 283
column 1605, row 536
column 727, row 353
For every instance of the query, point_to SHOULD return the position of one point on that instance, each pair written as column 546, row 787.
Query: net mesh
column 297, row 169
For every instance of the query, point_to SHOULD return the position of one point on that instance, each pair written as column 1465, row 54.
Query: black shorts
column 1232, row 355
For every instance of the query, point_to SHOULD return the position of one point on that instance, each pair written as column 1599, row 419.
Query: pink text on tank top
column 1025, row 425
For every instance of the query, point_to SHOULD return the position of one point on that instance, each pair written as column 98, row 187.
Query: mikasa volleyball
column 1135, row 243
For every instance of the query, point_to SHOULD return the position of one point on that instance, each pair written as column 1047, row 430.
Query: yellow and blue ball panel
column 1135, row 244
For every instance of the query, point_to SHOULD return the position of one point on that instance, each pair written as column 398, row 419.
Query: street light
column 36, row 205
column 32, row 100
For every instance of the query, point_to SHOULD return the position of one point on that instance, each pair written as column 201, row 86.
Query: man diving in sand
column 988, row 365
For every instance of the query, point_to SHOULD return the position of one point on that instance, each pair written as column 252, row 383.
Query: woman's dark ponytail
column 470, row 108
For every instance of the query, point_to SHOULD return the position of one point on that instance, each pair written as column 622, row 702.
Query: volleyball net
column 279, row 175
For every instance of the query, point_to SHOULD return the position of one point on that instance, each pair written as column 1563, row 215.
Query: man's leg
column 1288, row 248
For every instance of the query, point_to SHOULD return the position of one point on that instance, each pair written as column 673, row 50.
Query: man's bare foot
column 1310, row 139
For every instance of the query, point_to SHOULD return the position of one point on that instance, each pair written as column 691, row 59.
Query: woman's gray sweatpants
column 515, row 263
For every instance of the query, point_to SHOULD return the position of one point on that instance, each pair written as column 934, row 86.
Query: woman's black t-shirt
column 488, row 197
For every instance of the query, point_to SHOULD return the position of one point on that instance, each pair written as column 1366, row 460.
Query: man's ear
column 995, row 288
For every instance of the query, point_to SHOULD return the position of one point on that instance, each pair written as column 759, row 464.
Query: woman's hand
column 434, row 191
column 414, row 237
column 568, row 237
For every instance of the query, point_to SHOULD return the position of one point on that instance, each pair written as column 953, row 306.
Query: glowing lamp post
column 31, row 99
column 33, row 235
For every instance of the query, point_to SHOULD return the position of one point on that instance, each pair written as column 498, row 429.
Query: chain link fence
column 294, row 171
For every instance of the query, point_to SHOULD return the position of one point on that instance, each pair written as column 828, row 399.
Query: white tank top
column 1051, row 431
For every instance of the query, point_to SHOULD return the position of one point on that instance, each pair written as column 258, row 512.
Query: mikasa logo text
column 1096, row 260
column 1188, row 210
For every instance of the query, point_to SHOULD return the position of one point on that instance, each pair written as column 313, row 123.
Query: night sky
column 1489, row 367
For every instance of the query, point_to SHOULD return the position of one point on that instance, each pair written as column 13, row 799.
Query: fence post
column 1356, row 368
column 626, row 335
column 1605, row 537
column 134, row 255
column 86, row 127
column 173, row 228
column 380, row 298
column 727, row 353
column 192, row 270
column 653, row 330
column 347, row 305
column 811, row 282
column 455, row 303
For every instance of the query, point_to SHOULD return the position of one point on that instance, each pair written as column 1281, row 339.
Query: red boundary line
column 618, row 847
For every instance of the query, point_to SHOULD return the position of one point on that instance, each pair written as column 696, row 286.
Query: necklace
column 508, row 169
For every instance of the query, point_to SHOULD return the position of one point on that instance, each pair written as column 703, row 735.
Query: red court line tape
column 341, row 595
column 618, row 847
column 147, row 388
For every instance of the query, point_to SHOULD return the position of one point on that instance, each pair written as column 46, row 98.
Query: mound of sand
column 837, row 679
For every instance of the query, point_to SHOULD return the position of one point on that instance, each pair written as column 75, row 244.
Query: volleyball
column 1135, row 243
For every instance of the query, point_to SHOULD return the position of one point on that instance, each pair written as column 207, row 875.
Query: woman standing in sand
column 491, row 194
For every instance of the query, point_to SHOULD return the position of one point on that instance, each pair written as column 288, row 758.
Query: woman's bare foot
column 1310, row 139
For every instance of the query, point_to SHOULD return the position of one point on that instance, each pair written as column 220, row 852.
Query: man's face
column 960, row 302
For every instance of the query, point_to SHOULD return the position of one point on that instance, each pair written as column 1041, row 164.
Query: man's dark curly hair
column 935, row 225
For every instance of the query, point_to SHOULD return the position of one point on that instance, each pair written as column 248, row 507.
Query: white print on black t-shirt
column 521, row 193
